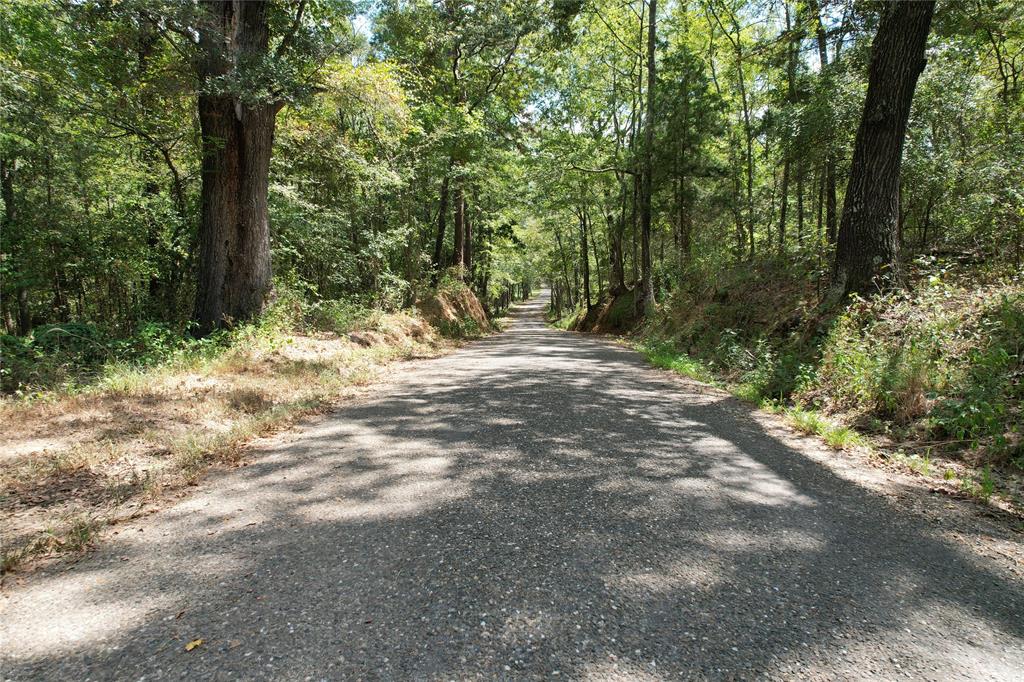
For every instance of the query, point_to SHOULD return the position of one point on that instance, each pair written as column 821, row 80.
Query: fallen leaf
column 193, row 644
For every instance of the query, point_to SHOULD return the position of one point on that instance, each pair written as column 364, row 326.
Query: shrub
column 18, row 362
column 943, row 362
column 339, row 316
column 464, row 327
column 79, row 340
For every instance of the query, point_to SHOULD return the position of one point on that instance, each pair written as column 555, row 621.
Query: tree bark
column 585, row 259
column 234, row 231
column 868, row 244
column 646, row 276
column 459, row 257
column 442, row 223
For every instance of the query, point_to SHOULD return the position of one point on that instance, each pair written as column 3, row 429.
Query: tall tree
column 247, row 72
column 234, row 229
column 829, row 175
column 646, row 266
column 868, row 243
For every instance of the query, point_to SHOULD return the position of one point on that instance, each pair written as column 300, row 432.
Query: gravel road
column 537, row 505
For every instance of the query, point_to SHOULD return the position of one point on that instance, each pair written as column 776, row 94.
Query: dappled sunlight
column 749, row 481
column 687, row 575
column 395, row 500
column 517, row 515
column 91, row 615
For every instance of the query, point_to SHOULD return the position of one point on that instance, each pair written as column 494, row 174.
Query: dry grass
column 72, row 464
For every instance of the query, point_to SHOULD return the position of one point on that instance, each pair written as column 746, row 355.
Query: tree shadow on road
column 537, row 502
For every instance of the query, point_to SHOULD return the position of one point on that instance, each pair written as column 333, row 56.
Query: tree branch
column 292, row 30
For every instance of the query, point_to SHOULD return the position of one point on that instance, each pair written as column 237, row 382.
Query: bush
column 18, row 361
column 988, row 406
column 152, row 343
column 72, row 339
column 949, row 359
column 945, row 362
column 340, row 316
column 464, row 327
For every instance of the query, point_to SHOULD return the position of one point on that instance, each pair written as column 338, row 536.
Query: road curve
column 537, row 505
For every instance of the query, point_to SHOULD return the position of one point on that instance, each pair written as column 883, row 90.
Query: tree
column 247, row 73
column 868, row 243
column 460, row 57
column 647, row 279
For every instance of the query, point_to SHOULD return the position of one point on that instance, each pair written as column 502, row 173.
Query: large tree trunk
column 646, row 276
column 868, row 244
column 234, row 231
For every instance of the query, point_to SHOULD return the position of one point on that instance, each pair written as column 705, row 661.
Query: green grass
column 811, row 422
column 843, row 438
column 667, row 357
column 748, row 392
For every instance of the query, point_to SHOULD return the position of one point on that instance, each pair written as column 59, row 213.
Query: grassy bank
column 90, row 440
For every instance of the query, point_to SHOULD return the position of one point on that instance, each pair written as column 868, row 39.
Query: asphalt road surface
column 537, row 505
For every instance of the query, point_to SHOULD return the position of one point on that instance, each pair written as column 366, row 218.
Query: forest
column 815, row 204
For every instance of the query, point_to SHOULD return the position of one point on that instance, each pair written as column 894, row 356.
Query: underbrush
column 65, row 359
column 96, row 429
column 936, row 370
column 69, row 357
column 610, row 314
column 666, row 356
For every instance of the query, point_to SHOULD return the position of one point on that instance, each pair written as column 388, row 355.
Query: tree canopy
column 175, row 162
